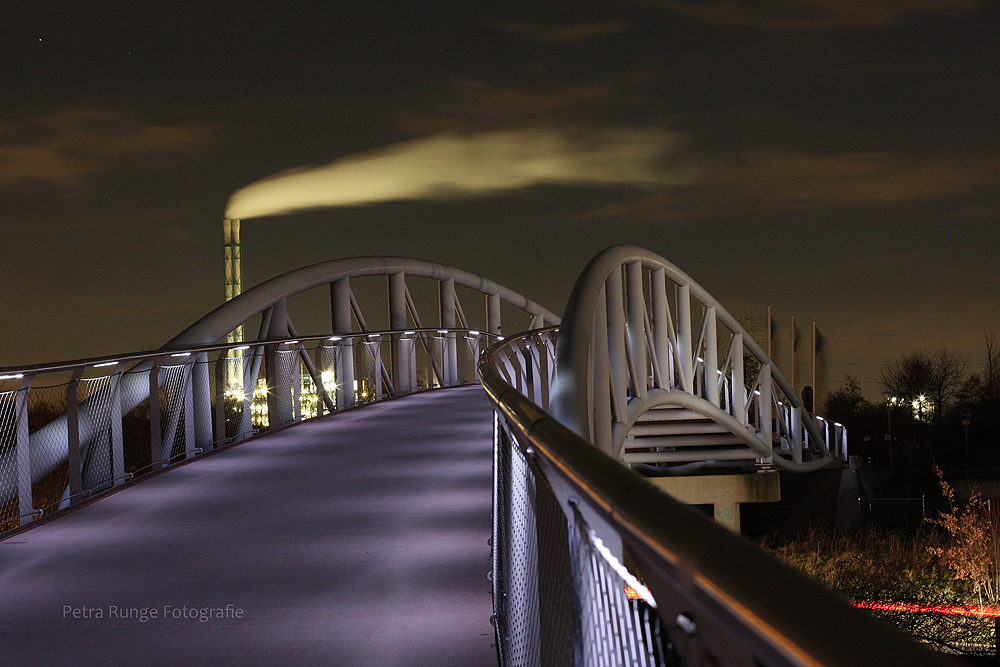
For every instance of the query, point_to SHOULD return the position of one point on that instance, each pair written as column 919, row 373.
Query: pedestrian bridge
column 263, row 501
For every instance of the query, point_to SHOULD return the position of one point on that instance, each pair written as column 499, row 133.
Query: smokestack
column 234, row 287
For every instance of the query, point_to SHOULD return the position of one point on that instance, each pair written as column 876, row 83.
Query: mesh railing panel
column 173, row 386
column 559, row 596
column 97, row 456
column 45, row 404
column 202, row 400
column 616, row 630
column 369, row 383
column 8, row 463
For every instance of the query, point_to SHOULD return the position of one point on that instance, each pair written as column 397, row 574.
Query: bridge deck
column 359, row 539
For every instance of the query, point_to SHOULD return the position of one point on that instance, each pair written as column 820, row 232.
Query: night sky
column 836, row 159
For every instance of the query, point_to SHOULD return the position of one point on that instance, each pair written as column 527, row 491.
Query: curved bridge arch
column 255, row 301
column 623, row 352
column 183, row 364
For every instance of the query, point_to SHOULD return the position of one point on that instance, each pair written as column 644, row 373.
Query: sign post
column 966, row 420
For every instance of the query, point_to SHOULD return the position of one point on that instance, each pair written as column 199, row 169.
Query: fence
column 594, row 566
column 68, row 431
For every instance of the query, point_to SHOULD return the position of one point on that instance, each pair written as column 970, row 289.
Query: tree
column 919, row 378
column 947, row 375
column 848, row 404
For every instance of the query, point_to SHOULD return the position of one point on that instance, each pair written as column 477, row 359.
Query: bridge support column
column 724, row 492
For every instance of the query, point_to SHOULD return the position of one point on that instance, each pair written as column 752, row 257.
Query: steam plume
column 450, row 166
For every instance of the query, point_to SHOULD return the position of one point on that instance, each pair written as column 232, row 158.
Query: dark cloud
column 566, row 34
column 65, row 147
column 796, row 181
column 799, row 14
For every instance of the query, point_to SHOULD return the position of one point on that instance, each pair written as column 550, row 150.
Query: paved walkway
column 359, row 539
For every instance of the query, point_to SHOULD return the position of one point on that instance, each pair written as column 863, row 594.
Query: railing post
column 493, row 314
column 296, row 384
column 397, row 322
column 765, row 409
column 279, row 390
column 636, row 322
column 796, row 430
column 661, row 328
column 220, row 398
column 115, row 418
column 23, row 444
column 74, row 479
column 340, row 308
column 616, row 345
column 685, row 353
column 189, row 411
column 739, row 390
column 155, row 410
column 450, row 352
column 711, row 357
column 202, row 388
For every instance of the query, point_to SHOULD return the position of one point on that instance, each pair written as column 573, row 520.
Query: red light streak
column 946, row 609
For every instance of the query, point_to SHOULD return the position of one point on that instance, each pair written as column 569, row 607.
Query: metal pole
column 340, row 307
column 448, row 321
column 493, row 314
column 711, row 357
column 74, row 480
column 661, row 328
column 684, row 352
column 23, row 444
column 636, row 319
column 397, row 322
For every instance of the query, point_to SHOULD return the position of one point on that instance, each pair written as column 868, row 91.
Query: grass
column 877, row 565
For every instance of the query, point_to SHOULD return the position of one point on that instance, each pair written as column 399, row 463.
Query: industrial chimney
column 234, row 287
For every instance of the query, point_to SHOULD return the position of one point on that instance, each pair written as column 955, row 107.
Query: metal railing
column 69, row 430
column 592, row 565
column 640, row 334
column 72, row 429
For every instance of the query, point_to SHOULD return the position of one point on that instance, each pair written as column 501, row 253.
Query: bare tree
column 991, row 371
column 947, row 375
column 919, row 377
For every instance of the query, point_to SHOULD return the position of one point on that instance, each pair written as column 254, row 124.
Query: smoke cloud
column 452, row 166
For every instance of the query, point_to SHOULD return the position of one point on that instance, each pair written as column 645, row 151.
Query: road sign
column 966, row 417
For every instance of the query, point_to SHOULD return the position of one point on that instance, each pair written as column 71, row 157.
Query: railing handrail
column 144, row 355
column 717, row 571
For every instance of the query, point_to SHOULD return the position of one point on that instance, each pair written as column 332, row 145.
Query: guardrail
column 640, row 334
column 592, row 565
column 69, row 430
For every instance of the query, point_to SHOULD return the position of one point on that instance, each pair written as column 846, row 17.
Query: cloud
column 65, row 147
column 475, row 106
column 797, row 181
column 566, row 34
column 449, row 166
column 797, row 14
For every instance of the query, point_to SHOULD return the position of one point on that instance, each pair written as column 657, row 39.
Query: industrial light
column 335, row 338
column 473, row 333
column 442, row 331
column 241, row 347
column 106, row 363
column 181, row 354
column 409, row 333
column 16, row 376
